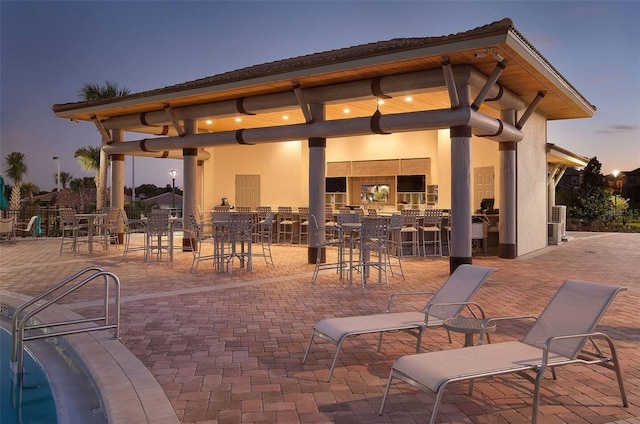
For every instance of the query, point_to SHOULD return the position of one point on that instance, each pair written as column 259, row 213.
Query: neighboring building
column 466, row 113
column 164, row 201
column 571, row 180
column 627, row 185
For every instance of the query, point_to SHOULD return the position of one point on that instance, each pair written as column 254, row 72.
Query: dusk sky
column 49, row 49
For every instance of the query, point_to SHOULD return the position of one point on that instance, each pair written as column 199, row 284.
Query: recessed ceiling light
column 238, row 119
column 285, row 117
column 408, row 99
column 380, row 102
column 346, row 110
column 209, row 121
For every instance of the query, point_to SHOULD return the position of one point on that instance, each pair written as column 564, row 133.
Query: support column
column 190, row 186
column 460, row 197
column 317, row 175
column 507, row 246
column 117, row 179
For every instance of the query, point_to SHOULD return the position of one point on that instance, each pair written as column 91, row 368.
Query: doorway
column 248, row 191
column 483, row 185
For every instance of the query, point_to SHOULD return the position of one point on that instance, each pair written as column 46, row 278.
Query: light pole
column 615, row 174
column 56, row 158
column 173, row 173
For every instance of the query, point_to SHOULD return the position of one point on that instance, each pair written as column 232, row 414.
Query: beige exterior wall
column 284, row 170
column 532, row 186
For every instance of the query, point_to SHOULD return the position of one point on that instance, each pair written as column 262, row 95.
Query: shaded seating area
column 557, row 338
column 449, row 301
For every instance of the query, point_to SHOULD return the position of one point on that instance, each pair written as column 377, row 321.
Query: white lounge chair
column 454, row 295
column 557, row 338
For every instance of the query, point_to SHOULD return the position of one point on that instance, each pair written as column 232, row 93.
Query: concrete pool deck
column 228, row 348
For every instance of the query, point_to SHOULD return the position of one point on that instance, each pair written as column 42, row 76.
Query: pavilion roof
column 527, row 73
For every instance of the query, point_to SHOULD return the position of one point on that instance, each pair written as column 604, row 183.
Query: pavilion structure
column 487, row 87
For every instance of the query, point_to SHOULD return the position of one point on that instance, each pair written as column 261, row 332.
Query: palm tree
column 77, row 184
column 65, row 177
column 89, row 159
column 95, row 91
column 15, row 169
column 28, row 189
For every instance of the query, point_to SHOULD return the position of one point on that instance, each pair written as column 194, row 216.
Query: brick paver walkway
column 228, row 349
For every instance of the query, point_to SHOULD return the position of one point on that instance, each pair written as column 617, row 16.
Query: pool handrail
column 20, row 322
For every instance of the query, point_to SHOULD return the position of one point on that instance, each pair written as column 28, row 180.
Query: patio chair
column 132, row 227
column 8, row 229
column 325, row 237
column 30, row 228
column 556, row 338
column 449, row 301
column 202, row 234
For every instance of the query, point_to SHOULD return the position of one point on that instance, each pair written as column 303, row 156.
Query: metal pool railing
column 21, row 318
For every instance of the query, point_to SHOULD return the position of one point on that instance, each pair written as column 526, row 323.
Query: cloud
column 617, row 129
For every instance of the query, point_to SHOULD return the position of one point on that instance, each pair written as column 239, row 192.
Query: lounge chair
column 449, row 301
column 556, row 338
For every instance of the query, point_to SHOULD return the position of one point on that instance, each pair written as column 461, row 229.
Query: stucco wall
column 532, row 186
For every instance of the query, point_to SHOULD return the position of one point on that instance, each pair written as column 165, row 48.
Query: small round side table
column 468, row 326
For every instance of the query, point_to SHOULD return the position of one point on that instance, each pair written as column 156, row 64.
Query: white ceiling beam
column 393, row 85
column 403, row 122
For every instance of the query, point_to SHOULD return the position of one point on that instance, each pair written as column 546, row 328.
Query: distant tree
column 148, row 190
column 89, row 159
column 593, row 194
column 77, row 185
column 65, row 178
column 28, row 190
column 97, row 91
column 16, row 169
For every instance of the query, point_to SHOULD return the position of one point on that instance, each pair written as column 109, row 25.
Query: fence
column 48, row 219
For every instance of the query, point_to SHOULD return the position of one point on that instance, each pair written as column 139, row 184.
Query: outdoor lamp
column 173, row 173
column 615, row 174
column 56, row 158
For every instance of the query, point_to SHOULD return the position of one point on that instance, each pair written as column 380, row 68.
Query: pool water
column 35, row 402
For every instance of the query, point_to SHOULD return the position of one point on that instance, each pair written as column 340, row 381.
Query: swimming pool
column 34, row 402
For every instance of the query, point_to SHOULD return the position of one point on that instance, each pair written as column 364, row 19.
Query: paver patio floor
column 228, row 348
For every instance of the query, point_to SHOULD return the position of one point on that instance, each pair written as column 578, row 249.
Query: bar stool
column 410, row 230
column 286, row 221
column 262, row 234
column 327, row 237
column 303, row 213
column 394, row 238
column 373, row 239
column 431, row 232
column 157, row 232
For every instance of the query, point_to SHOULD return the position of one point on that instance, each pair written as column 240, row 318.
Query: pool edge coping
column 128, row 390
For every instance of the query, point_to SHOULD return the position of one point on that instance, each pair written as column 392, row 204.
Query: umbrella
column 3, row 200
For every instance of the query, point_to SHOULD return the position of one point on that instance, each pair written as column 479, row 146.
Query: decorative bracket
column 532, row 107
column 174, row 120
column 106, row 136
column 302, row 101
column 450, row 82
column 488, row 85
